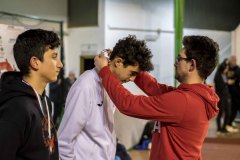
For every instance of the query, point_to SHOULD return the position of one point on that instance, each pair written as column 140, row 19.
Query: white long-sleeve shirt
column 86, row 131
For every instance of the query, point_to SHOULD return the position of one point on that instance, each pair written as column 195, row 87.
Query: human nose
column 175, row 64
column 60, row 64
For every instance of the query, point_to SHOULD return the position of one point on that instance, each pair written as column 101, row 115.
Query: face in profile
column 124, row 73
column 50, row 66
column 181, row 67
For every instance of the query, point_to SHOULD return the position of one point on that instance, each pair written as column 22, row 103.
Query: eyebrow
column 55, row 52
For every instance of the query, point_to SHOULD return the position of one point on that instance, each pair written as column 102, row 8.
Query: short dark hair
column 33, row 42
column 205, row 51
column 133, row 52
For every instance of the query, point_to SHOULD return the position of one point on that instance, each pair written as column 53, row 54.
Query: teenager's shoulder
column 20, row 101
column 88, row 77
column 18, row 109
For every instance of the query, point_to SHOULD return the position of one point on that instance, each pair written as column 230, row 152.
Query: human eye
column 134, row 74
column 54, row 55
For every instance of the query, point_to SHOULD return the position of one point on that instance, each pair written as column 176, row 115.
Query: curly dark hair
column 205, row 51
column 133, row 52
column 33, row 42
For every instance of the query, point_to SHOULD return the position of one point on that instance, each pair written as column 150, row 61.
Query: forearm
column 150, row 85
column 159, row 107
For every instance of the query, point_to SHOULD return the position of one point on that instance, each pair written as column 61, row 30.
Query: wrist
column 102, row 72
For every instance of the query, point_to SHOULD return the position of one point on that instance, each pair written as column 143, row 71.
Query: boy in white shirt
column 86, row 131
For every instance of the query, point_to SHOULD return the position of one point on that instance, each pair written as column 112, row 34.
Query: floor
column 139, row 155
column 215, row 147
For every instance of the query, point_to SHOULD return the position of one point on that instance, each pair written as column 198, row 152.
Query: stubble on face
column 178, row 77
column 179, row 73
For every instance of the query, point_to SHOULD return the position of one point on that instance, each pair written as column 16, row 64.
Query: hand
column 107, row 52
column 100, row 61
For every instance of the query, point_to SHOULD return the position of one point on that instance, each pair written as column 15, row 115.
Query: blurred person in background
column 221, row 87
column 233, row 74
column 56, row 96
column 68, row 82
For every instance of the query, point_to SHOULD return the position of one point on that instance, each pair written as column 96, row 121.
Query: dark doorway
column 86, row 62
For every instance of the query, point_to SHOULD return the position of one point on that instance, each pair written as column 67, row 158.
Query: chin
column 178, row 79
column 53, row 80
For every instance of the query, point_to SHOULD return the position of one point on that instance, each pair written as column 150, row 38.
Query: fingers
column 100, row 61
column 109, row 50
column 101, row 58
column 106, row 52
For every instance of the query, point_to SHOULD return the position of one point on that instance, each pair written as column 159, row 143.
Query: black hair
column 33, row 42
column 133, row 52
column 205, row 51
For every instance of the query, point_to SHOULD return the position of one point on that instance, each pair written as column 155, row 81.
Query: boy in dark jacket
column 26, row 128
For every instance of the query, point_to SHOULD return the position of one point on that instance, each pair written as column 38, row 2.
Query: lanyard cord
column 41, row 107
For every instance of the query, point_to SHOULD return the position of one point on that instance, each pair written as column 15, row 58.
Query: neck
column 110, row 67
column 194, row 81
column 35, row 83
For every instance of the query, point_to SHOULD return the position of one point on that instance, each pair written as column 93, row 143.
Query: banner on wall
column 8, row 35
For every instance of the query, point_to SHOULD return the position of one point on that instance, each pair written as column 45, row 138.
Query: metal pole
column 62, row 47
column 178, row 25
column 29, row 17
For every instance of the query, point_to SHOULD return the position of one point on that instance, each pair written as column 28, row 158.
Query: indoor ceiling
column 212, row 14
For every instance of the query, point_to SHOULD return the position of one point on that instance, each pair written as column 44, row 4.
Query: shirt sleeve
column 77, row 110
column 168, row 107
column 150, row 85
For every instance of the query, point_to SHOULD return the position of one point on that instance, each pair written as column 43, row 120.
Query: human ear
column 118, row 62
column 34, row 63
column 193, row 65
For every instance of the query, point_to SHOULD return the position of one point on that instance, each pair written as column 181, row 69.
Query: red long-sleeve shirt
column 182, row 114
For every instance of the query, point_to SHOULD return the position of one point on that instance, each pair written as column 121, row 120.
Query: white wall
column 85, row 41
column 235, row 43
column 82, row 41
column 138, row 15
column 149, row 15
